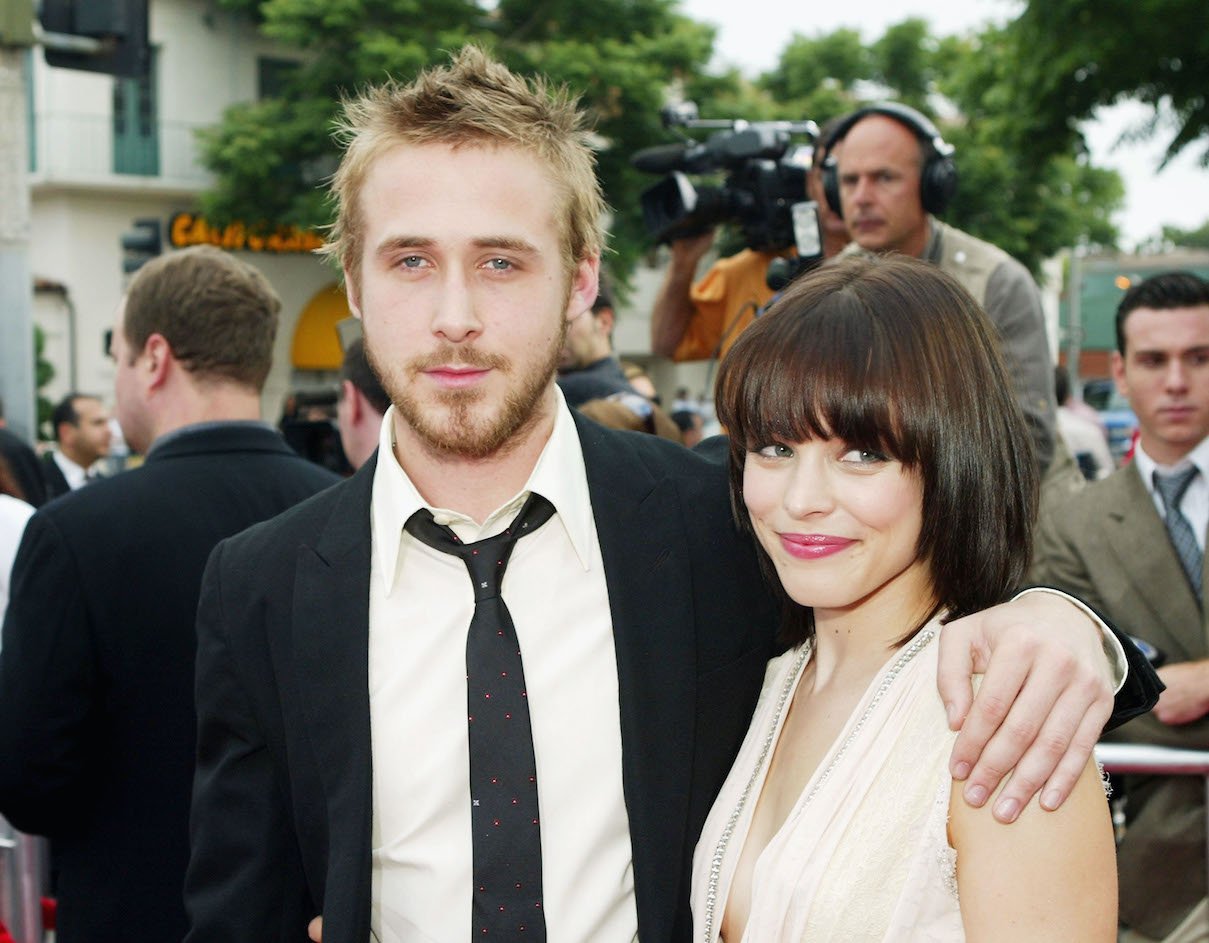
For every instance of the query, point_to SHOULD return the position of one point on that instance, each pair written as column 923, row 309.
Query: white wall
column 207, row 61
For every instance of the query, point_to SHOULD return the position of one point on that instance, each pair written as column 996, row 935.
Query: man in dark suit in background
column 336, row 754
column 97, row 724
column 361, row 405
column 81, row 427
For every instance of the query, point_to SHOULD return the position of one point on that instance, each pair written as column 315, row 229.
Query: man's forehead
column 413, row 198
column 1167, row 319
column 1162, row 329
column 877, row 138
column 501, row 153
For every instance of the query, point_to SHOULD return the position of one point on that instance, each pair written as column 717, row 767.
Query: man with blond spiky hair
column 416, row 755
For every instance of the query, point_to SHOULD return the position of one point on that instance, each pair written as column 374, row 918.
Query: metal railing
column 1157, row 761
column 80, row 148
column 21, row 874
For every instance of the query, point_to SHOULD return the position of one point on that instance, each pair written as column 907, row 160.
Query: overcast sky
column 752, row 33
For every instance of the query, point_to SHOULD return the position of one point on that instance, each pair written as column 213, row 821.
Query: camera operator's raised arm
column 673, row 308
column 769, row 202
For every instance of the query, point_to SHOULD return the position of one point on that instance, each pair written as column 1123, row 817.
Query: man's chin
column 456, row 432
column 871, row 240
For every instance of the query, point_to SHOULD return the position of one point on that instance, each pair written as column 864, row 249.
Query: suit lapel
column 331, row 644
column 645, row 555
column 1138, row 538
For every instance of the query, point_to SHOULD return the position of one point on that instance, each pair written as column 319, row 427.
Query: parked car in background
column 1120, row 423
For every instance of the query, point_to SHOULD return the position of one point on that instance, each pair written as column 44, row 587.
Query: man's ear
column 1117, row 364
column 584, row 284
column 159, row 360
column 356, row 402
column 352, row 294
column 604, row 317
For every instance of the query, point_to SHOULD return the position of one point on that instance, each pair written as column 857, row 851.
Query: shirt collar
column 1147, row 466
column 559, row 476
column 210, row 425
column 74, row 474
column 932, row 246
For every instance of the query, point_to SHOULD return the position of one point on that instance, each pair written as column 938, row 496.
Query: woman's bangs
column 822, row 374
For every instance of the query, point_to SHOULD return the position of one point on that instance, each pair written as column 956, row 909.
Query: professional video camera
column 764, row 193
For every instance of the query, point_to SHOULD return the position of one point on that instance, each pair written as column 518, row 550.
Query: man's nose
column 1177, row 375
column 455, row 317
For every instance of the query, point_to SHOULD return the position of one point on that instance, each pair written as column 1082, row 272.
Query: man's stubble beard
column 448, row 425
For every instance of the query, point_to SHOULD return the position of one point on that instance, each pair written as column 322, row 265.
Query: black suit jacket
column 53, row 478
column 97, row 726
column 282, row 800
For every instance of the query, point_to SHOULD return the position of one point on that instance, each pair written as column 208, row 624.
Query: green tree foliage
column 1030, row 208
column 1071, row 56
column 44, row 372
column 625, row 57
column 272, row 157
column 905, row 60
column 808, row 65
column 1188, row 238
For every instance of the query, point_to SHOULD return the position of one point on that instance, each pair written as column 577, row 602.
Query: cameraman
column 889, row 175
column 700, row 321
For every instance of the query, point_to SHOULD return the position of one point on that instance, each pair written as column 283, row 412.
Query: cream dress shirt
column 75, row 474
column 420, row 608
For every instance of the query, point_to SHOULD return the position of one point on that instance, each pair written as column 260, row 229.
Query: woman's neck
column 851, row 644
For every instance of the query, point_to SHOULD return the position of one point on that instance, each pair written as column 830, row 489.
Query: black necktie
column 503, row 773
column 1171, row 489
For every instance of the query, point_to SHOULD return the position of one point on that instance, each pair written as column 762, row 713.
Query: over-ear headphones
column 938, row 177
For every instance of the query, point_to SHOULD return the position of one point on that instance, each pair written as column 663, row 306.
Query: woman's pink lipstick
column 813, row 546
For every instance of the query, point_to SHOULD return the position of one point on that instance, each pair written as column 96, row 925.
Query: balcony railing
column 84, row 149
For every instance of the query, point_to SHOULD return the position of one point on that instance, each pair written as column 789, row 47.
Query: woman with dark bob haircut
column 880, row 459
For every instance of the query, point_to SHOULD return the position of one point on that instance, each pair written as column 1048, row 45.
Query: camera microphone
column 661, row 159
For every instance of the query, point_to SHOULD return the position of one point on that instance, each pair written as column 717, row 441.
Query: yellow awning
column 316, row 345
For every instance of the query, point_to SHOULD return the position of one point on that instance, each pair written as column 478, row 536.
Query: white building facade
column 107, row 151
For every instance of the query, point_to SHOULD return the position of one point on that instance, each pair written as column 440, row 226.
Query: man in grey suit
column 1132, row 546
column 335, row 762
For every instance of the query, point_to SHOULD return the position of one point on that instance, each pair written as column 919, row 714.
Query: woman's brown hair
column 8, row 481
column 891, row 354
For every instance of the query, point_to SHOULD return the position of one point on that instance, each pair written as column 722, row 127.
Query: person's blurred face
column 878, row 168
column 87, row 440
column 587, row 340
column 1164, row 373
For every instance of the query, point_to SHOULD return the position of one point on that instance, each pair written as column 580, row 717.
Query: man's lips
column 456, row 376
column 813, row 546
